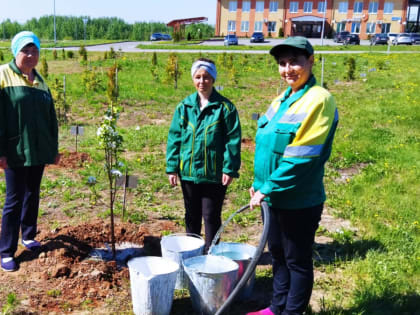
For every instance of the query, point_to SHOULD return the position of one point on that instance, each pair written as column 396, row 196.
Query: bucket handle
column 221, row 229
column 184, row 234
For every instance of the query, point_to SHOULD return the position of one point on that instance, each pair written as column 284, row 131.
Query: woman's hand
column 226, row 180
column 256, row 198
column 3, row 162
column 173, row 179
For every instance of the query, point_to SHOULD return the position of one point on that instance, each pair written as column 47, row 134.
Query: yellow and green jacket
column 28, row 123
column 202, row 145
column 293, row 142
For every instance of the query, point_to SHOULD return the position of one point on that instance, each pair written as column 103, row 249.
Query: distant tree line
column 74, row 28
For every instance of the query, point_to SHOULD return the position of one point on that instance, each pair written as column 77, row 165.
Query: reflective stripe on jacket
column 202, row 145
column 28, row 123
column 293, row 142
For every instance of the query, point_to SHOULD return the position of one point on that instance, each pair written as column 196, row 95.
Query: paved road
column 131, row 47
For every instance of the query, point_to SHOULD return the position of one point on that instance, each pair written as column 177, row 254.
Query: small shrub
column 1, row 56
column 54, row 54
column 351, row 68
column 44, row 68
column 154, row 59
column 70, row 54
column 83, row 53
column 63, row 54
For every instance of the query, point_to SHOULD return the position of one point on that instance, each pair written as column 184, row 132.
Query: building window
column 258, row 26
column 259, row 7
column 373, row 7
column 246, row 6
column 232, row 6
column 355, row 27
column 342, row 7
column 341, row 26
column 321, row 6
column 358, row 7
column 294, row 6
column 307, row 7
column 231, row 26
column 274, row 6
column 271, row 26
column 370, row 28
column 388, row 7
column 385, row 28
column 245, row 26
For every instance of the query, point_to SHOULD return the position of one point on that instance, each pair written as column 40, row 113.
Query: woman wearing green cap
column 28, row 141
column 293, row 142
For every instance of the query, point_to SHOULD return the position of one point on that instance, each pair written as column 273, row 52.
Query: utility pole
column 323, row 23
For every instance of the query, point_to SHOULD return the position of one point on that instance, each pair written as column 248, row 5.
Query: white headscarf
column 208, row 66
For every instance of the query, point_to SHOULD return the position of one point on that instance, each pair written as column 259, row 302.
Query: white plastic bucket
column 178, row 247
column 152, row 284
column 211, row 280
column 242, row 254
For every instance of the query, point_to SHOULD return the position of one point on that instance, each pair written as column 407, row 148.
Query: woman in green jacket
column 28, row 141
column 203, row 150
column 293, row 142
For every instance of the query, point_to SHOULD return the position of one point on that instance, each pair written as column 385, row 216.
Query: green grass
column 375, row 270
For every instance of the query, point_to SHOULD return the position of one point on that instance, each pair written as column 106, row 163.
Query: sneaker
column 31, row 244
column 8, row 264
column 265, row 311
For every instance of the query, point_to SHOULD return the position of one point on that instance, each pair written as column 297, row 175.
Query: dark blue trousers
column 203, row 201
column 290, row 241
column 20, row 210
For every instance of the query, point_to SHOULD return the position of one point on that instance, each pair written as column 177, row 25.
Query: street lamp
column 84, row 23
column 323, row 23
column 55, row 33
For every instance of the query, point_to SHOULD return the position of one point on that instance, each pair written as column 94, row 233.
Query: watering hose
column 250, row 269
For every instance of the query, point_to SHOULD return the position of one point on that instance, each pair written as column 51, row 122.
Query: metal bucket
column 212, row 279
column 178, row 247
column 242, row 254
column 152, row 284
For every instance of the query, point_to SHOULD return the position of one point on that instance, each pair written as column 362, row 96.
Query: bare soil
column 62, row 277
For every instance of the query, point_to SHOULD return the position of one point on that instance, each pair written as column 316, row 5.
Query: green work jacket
column 293, row 142
column 28, row 123
column 202, row 145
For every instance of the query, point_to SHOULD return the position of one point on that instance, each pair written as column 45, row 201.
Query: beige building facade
column 308, row 17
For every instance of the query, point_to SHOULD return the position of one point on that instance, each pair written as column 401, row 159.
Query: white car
column 391, row 37
column 402, row 39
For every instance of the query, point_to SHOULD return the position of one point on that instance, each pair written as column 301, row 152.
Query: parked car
column 257, row 37
column 415, row 38
column 391, row 37
column 231, row 40
column 166, row 37
column 339, row 37
column 379, row 39
column 156, row 36
column 351, row 39
column 402, row 39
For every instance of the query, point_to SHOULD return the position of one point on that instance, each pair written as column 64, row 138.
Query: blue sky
column 129, row 10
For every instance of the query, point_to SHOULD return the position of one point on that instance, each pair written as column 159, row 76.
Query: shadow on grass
column 348, row 250
column 391, row 304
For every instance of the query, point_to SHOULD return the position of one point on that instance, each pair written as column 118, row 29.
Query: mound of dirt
column 61, row 276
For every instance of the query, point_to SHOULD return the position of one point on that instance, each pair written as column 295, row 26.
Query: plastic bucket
column 211, row 280
column 178, row 247
column 242, row 254
column 152, row 284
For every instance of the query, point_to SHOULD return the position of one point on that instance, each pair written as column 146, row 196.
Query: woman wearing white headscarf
column 28, row 141
column 203, row 150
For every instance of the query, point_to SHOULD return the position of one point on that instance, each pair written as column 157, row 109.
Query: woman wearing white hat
column 203, row 150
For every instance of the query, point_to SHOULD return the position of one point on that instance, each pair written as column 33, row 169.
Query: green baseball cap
column 298, row 42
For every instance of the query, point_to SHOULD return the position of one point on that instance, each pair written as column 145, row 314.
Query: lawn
column 370, row 267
